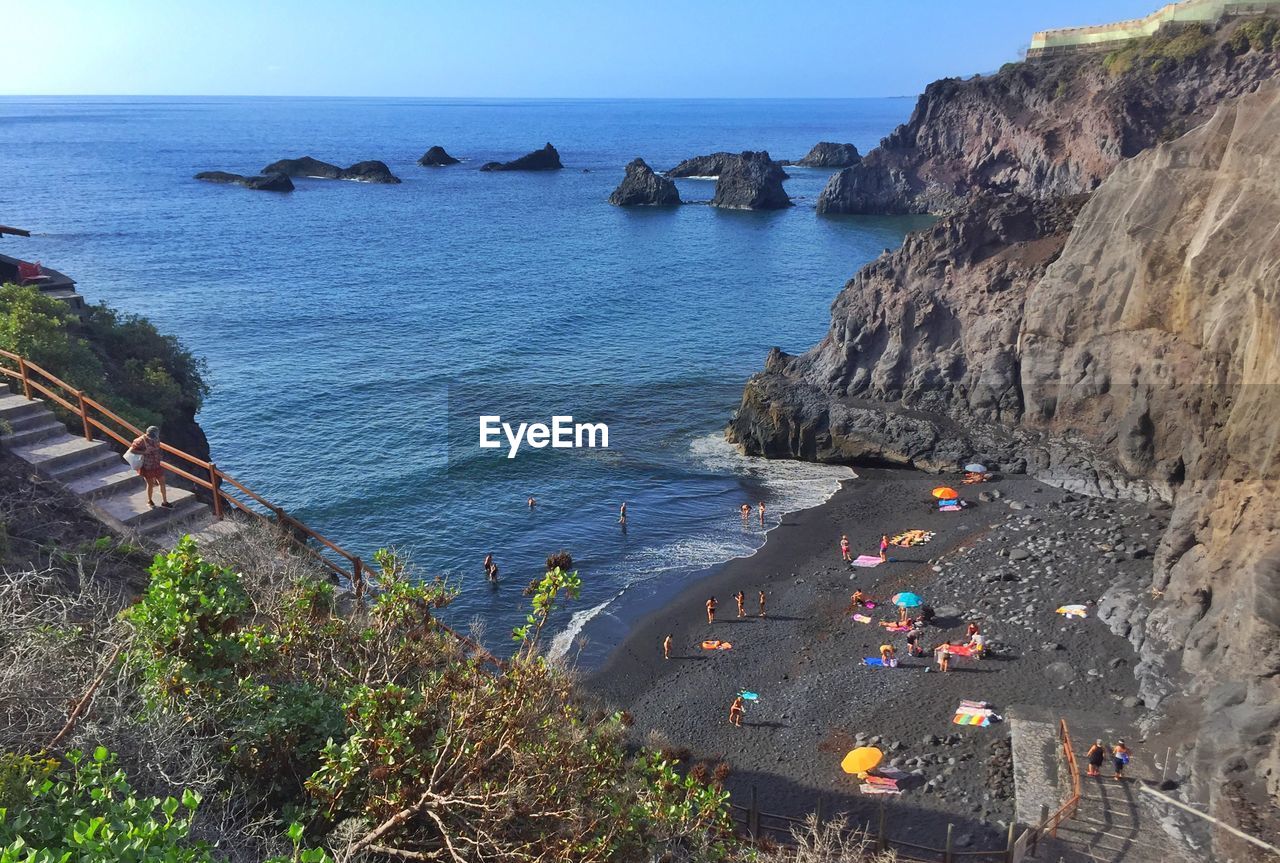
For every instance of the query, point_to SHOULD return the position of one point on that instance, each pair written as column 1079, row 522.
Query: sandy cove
column 1007, row 563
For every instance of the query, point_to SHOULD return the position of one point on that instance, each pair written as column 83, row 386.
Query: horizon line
column 450, row 98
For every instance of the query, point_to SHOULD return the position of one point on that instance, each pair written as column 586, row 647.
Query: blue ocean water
column 354, row 333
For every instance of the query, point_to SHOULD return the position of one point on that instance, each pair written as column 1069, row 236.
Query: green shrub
column 121, row 360
column 1255, row 34
column 1164, row 50
column 87, row 812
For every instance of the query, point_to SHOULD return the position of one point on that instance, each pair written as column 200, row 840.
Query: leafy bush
column 121, row 360
column 1165, row 49
column 86, row 811
column 1255, row 34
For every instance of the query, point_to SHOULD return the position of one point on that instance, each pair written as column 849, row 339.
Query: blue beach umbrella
column 975, row 468
column 907, row 600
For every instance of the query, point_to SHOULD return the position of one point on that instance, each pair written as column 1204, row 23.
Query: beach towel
column 963, row 650
column 714, row 644
column 882, row 781
column 861, row 618
column 949, row 506
column 971, row 719
column 977, row 713
column 1073, row 611
column 748, row 695
column 869, row 605
column 867, row 560
column 868, row 788
column 875, row 660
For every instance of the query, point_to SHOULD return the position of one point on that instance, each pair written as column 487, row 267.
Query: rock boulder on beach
column 546, row 159
column 436, row 157
column 263, row 182
column 641, row 187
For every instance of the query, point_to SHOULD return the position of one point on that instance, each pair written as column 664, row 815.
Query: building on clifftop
column 1108, row 37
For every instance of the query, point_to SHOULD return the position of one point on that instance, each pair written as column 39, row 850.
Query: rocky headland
column 826, row 154
column 371, row 171
column 1099, row 309
column 436, row 157
column 546, row 159
column 1046, row 129
column 264, row 182
column 641, row 187
column 751, row 181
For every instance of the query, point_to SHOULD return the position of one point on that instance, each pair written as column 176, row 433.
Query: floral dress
column 150, row 451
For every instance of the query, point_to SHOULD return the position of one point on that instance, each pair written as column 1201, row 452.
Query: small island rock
column 709, row 166
column 264, row 182
column 371, row 171
column 546, row 159
column 436, row 157
column 753, row 182
column 825, row 154
column 641, row 187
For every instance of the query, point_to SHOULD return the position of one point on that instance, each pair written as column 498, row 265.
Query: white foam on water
column 792, row 485
column 564, row 639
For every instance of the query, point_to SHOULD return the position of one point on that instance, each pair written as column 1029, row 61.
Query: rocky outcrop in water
column 436, row 157
column 371, row 171
column 1127, row 350
column 752, row 181
column 641, row 187
column 264, row 182
column 1045, row 129
column 825, row 154
column 710, row 166
column 546, row 159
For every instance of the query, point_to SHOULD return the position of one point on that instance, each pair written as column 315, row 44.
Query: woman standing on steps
column 148, row 446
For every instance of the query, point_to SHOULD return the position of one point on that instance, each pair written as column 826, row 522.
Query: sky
column 523, row 48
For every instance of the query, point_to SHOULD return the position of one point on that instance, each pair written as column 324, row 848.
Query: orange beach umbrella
column 943, row 492
column 861, row 760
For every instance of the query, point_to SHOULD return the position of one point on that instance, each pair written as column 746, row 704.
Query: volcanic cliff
column 1122, row 343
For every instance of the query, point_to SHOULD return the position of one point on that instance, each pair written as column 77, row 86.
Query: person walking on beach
column 884, row 547
column 762, row 603
column 666, row 647
column 150, row 469
column 844, row 549
column 736, row 710
column 1120, row 758
column 711, row 610
column 1097, row 752
column 761, row 505
column 943, row 654
column 888, row 656
column 742, row 600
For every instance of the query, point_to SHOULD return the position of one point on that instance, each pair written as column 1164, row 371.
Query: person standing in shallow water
column 147, row 445
column 762, row 513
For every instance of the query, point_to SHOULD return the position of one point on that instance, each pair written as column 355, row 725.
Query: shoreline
column 803, row 657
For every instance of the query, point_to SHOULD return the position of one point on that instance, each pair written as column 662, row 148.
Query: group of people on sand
column 846, row 553
column 741, row 599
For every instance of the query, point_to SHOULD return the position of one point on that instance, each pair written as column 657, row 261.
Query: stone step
column 14, row 407
column 33, row 432
column 129, row 508
column 54, row 457
column 204, row 529
column 94, row 462
column 111, row 480
column 24, row 421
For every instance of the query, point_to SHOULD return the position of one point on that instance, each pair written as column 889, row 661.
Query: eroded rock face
column 1044, row 129
column 546, row 159
column 1130, row 349
column 710, row 166
column 436, row 157
column 752, row 181
column 371, row 171
column 825, row 154
column 641, row 187
column 264, row 182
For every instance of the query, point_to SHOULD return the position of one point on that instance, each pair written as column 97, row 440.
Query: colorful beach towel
column 861, row 618
column 715, row 644
column 875, row 660
column 964, row 650
column 1073, row 611
column 977, row 713
column 748, row 695
column 867, row 561
column 868, row 788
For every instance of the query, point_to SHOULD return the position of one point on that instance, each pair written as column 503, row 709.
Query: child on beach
column 741, row 599
column 844, row 549
column 666, row 647
column 888, row 656
column 735, row 711
column 711, row 610
column 762, row 603
column 884, row 547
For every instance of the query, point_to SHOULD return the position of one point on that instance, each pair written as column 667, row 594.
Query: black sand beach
column 1007, row 563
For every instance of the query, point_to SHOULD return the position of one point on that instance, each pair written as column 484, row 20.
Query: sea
column 354, row 334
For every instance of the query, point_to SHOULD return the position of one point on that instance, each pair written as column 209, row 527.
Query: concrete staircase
column 100, row 477
column 1115, row 822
